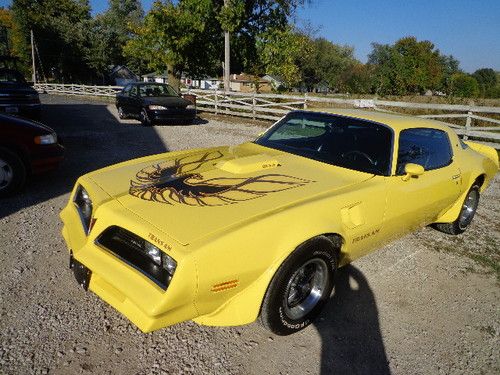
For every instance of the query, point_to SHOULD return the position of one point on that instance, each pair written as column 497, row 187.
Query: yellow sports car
column 224, row 235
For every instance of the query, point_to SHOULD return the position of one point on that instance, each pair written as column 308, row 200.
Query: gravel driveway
column 426, row 304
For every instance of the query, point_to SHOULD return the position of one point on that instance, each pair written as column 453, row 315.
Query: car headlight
column 48, row 139
column 159, row 257
column 84, row 204
column 191, row 106
column 140, row 254
column 157, row 107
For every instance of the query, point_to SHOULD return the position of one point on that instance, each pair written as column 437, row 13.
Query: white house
column 155, row 77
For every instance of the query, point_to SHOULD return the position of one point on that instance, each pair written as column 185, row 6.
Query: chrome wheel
column 6, row 174
column 469, row 208
column 305, row 288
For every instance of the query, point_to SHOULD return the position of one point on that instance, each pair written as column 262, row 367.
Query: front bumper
column 46, row 158
column 127, row 290
column 31, row 110
column 172, row 115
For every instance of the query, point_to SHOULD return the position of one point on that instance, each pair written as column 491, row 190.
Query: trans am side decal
column 176, row 181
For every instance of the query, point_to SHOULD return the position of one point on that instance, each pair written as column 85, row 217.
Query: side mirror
column 413, row 170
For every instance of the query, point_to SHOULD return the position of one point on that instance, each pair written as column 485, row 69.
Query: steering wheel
column 357, row 152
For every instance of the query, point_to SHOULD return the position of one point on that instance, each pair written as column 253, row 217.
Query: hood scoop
column 248, row 164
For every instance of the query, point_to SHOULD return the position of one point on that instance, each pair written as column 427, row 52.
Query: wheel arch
column 18, row 151
column 245, row 307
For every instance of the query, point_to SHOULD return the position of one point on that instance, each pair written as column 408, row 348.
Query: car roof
column 393, row 120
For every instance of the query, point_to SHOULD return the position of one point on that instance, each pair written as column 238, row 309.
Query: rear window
column 430, row 148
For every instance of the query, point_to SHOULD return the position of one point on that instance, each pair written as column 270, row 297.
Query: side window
column 133, row 91
column 430, row 148
column 126, row 90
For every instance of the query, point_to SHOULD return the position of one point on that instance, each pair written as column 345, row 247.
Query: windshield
column 10, row 76
column 346, row 142
column 155, row 90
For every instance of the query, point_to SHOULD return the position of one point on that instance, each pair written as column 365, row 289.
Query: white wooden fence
column 274, row 106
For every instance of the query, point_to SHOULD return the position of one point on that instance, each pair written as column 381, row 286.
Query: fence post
column 216, row 105
column 468, row 125
column 254, row 102
column 305, row 100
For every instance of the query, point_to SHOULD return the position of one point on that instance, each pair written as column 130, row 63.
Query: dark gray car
column 152, row 103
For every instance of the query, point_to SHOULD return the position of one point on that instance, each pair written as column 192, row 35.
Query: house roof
column 243, row 77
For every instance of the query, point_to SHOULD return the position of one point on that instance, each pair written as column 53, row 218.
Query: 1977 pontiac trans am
column 226, row 235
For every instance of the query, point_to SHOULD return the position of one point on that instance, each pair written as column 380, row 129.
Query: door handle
column 455, row 176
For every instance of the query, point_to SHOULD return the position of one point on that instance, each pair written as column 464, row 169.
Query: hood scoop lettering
column 248, row 164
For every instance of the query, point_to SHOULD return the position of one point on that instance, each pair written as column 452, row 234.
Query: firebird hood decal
column 178, row 182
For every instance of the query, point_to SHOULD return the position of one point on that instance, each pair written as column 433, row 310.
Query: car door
column 122, row 99
column 134, row 101
column 416, row 201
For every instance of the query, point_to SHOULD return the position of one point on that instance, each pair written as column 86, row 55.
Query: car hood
column 192, row 194
column 167, row 101
column 9, row 89
column 20, row 124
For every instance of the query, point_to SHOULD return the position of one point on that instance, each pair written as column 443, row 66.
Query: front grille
column 130, row 248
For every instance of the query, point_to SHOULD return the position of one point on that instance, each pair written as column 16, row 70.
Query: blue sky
column 466, row 29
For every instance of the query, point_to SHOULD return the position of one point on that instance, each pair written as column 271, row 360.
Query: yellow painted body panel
column 261, row 204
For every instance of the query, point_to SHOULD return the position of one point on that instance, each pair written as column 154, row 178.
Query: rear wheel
column 12, row 173
column 300, row 287
column 469, row 208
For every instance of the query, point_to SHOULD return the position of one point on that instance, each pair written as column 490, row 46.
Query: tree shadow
column 93, row 138
column 349, row 328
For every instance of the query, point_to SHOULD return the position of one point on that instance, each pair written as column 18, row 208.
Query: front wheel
column 144, row 117
column 12, row 173
column 469, row 208
column 300, row 287
column 121, row 113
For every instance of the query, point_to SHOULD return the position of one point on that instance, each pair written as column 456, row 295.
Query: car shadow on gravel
column 349, row 328
column 93, row 138
column 196, row 121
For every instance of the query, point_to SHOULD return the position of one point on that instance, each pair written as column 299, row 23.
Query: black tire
column 121, row 113
column 12, row 173
column 469, row 208
column 284, row 316
column 144, row 118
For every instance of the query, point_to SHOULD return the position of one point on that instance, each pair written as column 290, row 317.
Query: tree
column 107, row 35
column 407, row 67
column 60, row 28
column 464, row 85
column 486, row 78
column 187, row 35
column 280, row 50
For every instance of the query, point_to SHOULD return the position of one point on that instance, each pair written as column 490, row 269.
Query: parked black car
column 17, row 96
column 27, row 148
column 154, row 103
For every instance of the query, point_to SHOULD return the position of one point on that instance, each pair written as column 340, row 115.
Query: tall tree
column 60, row 28
column 486, row 78
column 407, row 67
column 187, row 35
column 111, row 31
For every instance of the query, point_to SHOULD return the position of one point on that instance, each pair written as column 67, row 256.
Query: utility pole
column 227, row 69
column 33, row 77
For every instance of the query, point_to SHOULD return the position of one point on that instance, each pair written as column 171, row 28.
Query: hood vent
column 248, row 164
